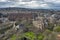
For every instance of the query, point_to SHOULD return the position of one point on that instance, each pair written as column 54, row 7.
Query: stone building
column 39, row 23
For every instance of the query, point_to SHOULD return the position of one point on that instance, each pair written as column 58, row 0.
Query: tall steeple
column 14, row 25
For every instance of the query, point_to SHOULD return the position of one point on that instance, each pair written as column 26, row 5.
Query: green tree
column 13, row 37
column 30, row 35
column 50, row 26
column 40, row 37
column 57, row 29
column 47, row 34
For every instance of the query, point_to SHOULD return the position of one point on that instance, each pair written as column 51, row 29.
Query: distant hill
column 23, row 9
column 14, row 9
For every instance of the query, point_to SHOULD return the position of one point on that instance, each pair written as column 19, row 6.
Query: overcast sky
column 55, row 4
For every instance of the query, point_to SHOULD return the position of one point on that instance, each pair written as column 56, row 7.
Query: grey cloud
column 16, row 3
